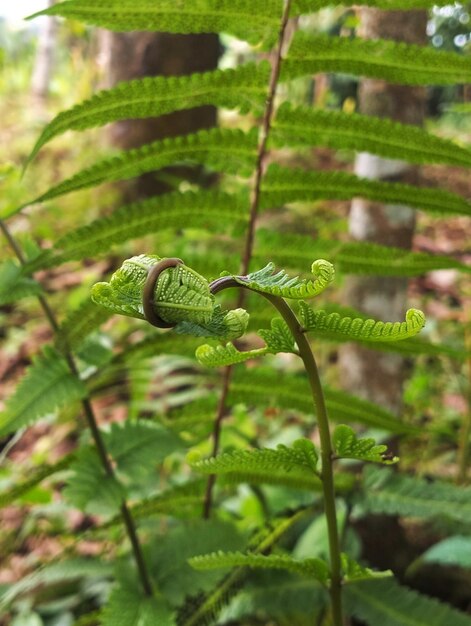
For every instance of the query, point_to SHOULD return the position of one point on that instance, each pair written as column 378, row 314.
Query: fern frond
column 390, row 493
column 280, row 284
column 294, row 251
column 202, row 209
column 315, row 569
column 354, row 572
column 79, row 323
column 220, row 356
column 379, row 58
column 284, row 185
column 348, row 446
column 266, row 388
column 301, row 7
column 454, row 551
column 387, row 603
column 303, row 126
column 14, row 285
column 253, row 21
column 223, row 149
column 334, row 325
column 38, row 475
column 244, row 88
column 278, row 337
column 128, row 607
column 223, row 325
column 47, row 386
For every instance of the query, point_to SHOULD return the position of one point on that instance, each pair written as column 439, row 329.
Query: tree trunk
column 374, row 375
column 135, row 55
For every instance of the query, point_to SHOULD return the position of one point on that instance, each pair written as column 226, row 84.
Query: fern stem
column 327, row 474
column 92, row 425
column 249, row 240
column 265, row 132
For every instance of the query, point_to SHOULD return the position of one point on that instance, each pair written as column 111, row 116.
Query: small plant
column 169, row 294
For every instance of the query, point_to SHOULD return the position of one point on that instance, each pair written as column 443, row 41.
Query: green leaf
column 253, row 21
column 244, row 88
column 220, row 356
column 47, row 386
column 309, row 568
column 359, row 329
column 203, row 209
column 454, row 551
column 354, row 572
column 348, row 446
column 387, row 603
column 283, row 185
column 79, row 324
column 294, row 251
column 390, row 493
column 308, row 6
column 90, row 488
column 278, row 338
column 14, row 285
column 128, row 607
column 222, row 325
column 303, row 126
column 222, row 149
column 280, row 284
column 379, row 58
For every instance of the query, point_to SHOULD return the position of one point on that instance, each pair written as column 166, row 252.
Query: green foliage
column 310, row 568
column 454, row 551
column 14, row 285
column 127, row 607
column 336, row 326
column 302, row 126
column 354, row 572
column 386, row 59
column 348, row 446
column 388, row 603
column 79, row 323
column 307, row 6
column 47, row 386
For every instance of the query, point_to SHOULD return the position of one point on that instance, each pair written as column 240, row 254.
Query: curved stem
column 327, row 474
column 92, row 425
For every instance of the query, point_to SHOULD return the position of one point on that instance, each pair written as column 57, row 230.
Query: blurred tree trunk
column 135, row 55
column 44, row 59
column 375, row 375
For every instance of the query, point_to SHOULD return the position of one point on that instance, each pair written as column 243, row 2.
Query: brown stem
column 249, row 241
column 93, row 426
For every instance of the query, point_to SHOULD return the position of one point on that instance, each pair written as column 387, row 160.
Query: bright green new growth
column 348, row 446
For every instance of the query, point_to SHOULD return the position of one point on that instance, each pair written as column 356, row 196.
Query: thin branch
column 92, row 424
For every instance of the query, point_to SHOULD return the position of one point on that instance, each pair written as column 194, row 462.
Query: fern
column 388, row 60
column 79, row 323
column 308, row 6
column 348, row 446
column 47, row 386
column 387, row 603
column 174, row 210
column 280, row 284
column 244, row 88
column 454, row 551
column 334, row 325
column 283, row 185
column 353, row 571
column 294, row 250
column 14, row 285
column 127, row 607
column 224, row 150
column 393, row 494
column 310, row 568
column 302, row 126
column 242, row 18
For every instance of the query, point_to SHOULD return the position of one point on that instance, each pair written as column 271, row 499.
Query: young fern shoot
column 169, row 294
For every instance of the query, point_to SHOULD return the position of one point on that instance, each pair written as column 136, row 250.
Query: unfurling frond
column 280, row 284
column 303, row 126
column 348, row 446
column 223, row 325
column 244, row 88
column 283, row 185
column 310, row 568
column 360, row 329
column 47, row 386
column 377, row 58
column 223, row 149
column 245, row 19
column 302, row 457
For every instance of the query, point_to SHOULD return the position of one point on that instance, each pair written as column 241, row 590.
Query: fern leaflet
column 354, row 572
column 47, row 386
column 127, row 607
column 244, row 88
column 79, row 323
column 384, row 59
column 348, row 446
column 315, row 569
column 14, row 285
column 360, row 329
column 302, row 126
column 283, row 185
